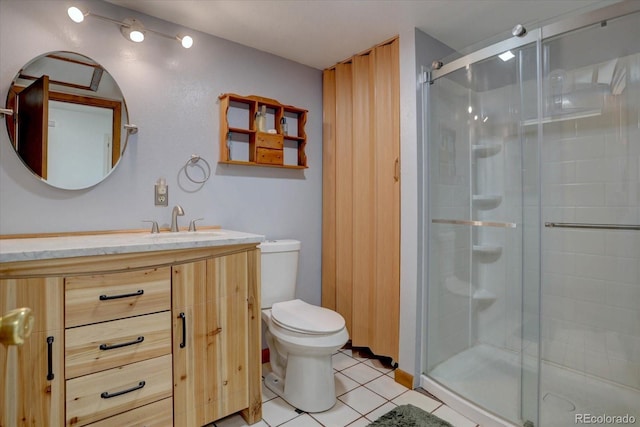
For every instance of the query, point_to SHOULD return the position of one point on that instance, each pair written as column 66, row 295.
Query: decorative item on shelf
column 194, row 161
column 283, row 126
column 131, row 28
column 229, row 144
column 261, row 119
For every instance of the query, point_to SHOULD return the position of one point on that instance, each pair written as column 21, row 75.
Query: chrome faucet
column 177, row 210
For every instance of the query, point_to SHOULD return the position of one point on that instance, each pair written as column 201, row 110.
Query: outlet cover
column 161, row 195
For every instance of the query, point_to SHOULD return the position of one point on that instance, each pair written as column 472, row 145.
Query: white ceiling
column 320, row 33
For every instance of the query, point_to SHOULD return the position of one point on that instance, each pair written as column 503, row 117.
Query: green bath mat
column 409, row 416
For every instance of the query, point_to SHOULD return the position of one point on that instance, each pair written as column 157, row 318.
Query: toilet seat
column 301, row 317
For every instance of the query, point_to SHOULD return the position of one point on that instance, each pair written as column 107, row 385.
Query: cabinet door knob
column 15, row 326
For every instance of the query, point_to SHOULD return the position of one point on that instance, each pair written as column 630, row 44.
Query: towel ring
column 192, row 162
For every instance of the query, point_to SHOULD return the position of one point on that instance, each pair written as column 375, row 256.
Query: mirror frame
column 81, row 95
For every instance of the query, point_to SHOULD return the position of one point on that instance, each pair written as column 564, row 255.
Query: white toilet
column 301, row 337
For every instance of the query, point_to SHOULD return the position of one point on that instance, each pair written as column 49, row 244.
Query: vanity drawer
column 156, row 414
column 114, row 391
column 269, row 156
column 106, row 345
column 269, row 140
column 97, row 298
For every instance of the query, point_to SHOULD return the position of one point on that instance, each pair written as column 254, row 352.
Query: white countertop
column 108, row 244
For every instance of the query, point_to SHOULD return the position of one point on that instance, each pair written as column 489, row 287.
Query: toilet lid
column 297, row 315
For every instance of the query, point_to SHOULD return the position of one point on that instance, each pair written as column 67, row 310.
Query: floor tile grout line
column 364, row 415
column 359, row 384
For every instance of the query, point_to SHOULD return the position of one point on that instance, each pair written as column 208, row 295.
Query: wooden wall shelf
column 242, row 143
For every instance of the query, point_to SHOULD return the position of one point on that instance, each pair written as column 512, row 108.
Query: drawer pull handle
column 50, row 375
column 107, row 395
column 124, row 344
column 183, row 343
column 133, row 294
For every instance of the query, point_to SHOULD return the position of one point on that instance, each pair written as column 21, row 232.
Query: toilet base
column 309, row 383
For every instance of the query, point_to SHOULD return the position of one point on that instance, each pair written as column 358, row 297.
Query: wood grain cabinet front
column 155, row 339
column 210, row 339
column 108, row 345
column 117, row 342
column 32, row 375
column 111, row 392
column 156, row 414
column 102, row 297
column 268, row 149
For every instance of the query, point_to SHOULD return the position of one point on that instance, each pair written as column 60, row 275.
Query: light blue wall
column 172, row 95
column 417, row 49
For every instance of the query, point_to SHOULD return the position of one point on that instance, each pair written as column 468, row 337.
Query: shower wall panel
column 591, row 278
column 450, row 295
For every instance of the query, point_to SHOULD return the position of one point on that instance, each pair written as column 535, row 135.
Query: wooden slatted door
column 361, row 196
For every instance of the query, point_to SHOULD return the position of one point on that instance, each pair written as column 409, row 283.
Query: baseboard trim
column 403, row 378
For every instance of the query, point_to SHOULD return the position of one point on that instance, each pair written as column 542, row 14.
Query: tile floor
column 365, row 389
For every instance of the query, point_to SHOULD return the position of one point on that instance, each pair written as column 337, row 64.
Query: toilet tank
column 279, row 270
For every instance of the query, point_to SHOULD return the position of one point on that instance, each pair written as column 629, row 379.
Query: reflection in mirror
column 68, row 121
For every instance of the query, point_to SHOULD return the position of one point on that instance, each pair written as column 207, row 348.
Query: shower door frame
column 450, row 397
column 538, row 36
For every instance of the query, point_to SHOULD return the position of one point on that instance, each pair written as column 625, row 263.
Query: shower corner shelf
column 487, row 250
column 486, row 201
column 484, row 296
column 463, row 289
column 564, row 117
column 486, row 150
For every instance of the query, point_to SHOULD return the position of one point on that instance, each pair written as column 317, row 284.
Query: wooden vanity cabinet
column 210, row 339
column 197, row 310
column 32, row 375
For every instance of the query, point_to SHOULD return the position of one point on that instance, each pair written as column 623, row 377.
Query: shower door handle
column 475, row 223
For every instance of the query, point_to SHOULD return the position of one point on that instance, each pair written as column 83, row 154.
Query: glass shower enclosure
column 532, row 182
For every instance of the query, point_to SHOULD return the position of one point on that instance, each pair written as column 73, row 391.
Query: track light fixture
column 131, row 28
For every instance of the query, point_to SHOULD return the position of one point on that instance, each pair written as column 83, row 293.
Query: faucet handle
column 192, row 224
column 154, row 225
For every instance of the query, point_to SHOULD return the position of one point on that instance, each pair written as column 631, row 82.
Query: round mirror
column 69, row 119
